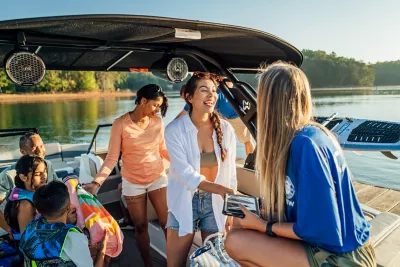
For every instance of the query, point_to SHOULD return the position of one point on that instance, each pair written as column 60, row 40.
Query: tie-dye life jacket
column 42, row 243
column 11, row 211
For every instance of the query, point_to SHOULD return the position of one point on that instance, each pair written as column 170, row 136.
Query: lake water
column 75, row 122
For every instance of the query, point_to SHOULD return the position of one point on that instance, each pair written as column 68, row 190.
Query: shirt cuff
column 194, row 183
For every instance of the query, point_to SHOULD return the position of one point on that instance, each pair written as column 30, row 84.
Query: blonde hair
column 284, row 106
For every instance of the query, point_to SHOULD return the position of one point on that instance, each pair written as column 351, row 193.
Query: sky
column 366, row 30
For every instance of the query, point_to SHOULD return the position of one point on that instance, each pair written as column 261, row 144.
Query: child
column 20, row 210
column 49, row 240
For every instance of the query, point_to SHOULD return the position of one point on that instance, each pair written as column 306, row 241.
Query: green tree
column 51, row 82
column 387, row 73
column 329, row 70
column 85, row 81
column 3, row 79
column 108, row 81
column 6, row 86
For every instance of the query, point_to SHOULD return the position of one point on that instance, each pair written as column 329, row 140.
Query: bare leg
column 137, row 207
column 125, row 212
column 251, row 248
column 159, row 200
column 205, row 234
column 249, row 147
column 177, row 248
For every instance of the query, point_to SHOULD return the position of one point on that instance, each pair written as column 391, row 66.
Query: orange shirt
column 141, row 150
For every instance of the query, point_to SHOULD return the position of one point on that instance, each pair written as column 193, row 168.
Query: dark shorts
column 203, row 214
column 362, row 257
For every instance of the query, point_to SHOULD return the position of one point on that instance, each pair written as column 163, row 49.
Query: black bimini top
column 123, row 42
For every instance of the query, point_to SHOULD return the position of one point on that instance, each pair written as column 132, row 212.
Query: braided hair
column 152, row 92
column 189, row 91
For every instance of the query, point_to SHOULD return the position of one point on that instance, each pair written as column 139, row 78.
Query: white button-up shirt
column 184, row 173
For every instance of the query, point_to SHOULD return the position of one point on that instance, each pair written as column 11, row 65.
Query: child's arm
column 101, row 252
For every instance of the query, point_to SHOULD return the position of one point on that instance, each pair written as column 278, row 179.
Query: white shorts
column 241, row 130
column 130, row 189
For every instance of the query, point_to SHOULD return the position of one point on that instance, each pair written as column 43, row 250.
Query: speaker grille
column 25, row 68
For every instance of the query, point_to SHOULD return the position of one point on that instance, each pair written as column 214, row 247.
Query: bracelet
column 96, row 183
column 268, row 229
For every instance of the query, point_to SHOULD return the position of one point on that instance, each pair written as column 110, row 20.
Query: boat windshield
column 250, row 78
column 9, row 144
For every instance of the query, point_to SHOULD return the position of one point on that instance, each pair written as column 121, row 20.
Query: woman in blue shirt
column 311, row 213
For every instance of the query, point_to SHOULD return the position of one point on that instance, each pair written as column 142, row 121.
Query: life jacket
column 42, row 243
column 8, row 251
column 17, row 194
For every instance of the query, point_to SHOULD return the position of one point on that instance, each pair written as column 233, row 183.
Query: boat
column 171, row 49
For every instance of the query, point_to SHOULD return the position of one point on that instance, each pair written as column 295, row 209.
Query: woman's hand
column 229, row 223
column 226, row 190
column 91, row 187
column 252, row 221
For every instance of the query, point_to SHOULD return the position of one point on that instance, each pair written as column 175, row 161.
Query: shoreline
column 54, row 97
column 359, row 88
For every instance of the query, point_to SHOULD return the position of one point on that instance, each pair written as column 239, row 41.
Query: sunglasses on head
column 208, row 75
column 157, row 89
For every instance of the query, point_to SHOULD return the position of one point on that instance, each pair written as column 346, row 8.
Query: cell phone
column 232, row 205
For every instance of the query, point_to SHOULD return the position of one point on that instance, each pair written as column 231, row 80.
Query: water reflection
column 75, row 122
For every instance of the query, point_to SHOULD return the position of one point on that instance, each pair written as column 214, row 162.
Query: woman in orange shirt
column 139, row 135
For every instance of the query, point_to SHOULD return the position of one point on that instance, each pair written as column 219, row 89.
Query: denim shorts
column 203, row 214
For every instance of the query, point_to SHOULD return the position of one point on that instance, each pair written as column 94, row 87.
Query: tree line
column 86, row 81
column 322, row 69
column 330, row 70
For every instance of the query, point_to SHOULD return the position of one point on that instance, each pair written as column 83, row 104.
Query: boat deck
column 130, row 255
column 379, row 198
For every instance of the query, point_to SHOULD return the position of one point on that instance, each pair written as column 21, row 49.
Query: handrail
column 95, row 134
column 20, row 130
column 17, row 131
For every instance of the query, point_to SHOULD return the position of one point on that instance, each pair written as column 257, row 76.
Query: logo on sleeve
column 289, row 188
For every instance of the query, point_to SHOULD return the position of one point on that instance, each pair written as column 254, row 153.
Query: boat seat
column 247, row 181
column 9, row 157
column 385, row 237
column 53, row 152
column 70, row 151
column 89, row 166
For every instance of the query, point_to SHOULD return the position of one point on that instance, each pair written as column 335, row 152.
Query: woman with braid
column 139, row 136
column 202, row 148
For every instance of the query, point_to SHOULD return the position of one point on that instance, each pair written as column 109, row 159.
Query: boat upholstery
column 70, row 151
column 385, row 231
column 385, row 237
column 53, row 153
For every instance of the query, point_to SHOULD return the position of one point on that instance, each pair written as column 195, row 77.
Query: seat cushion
column 385, row 237
column 53, row 152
